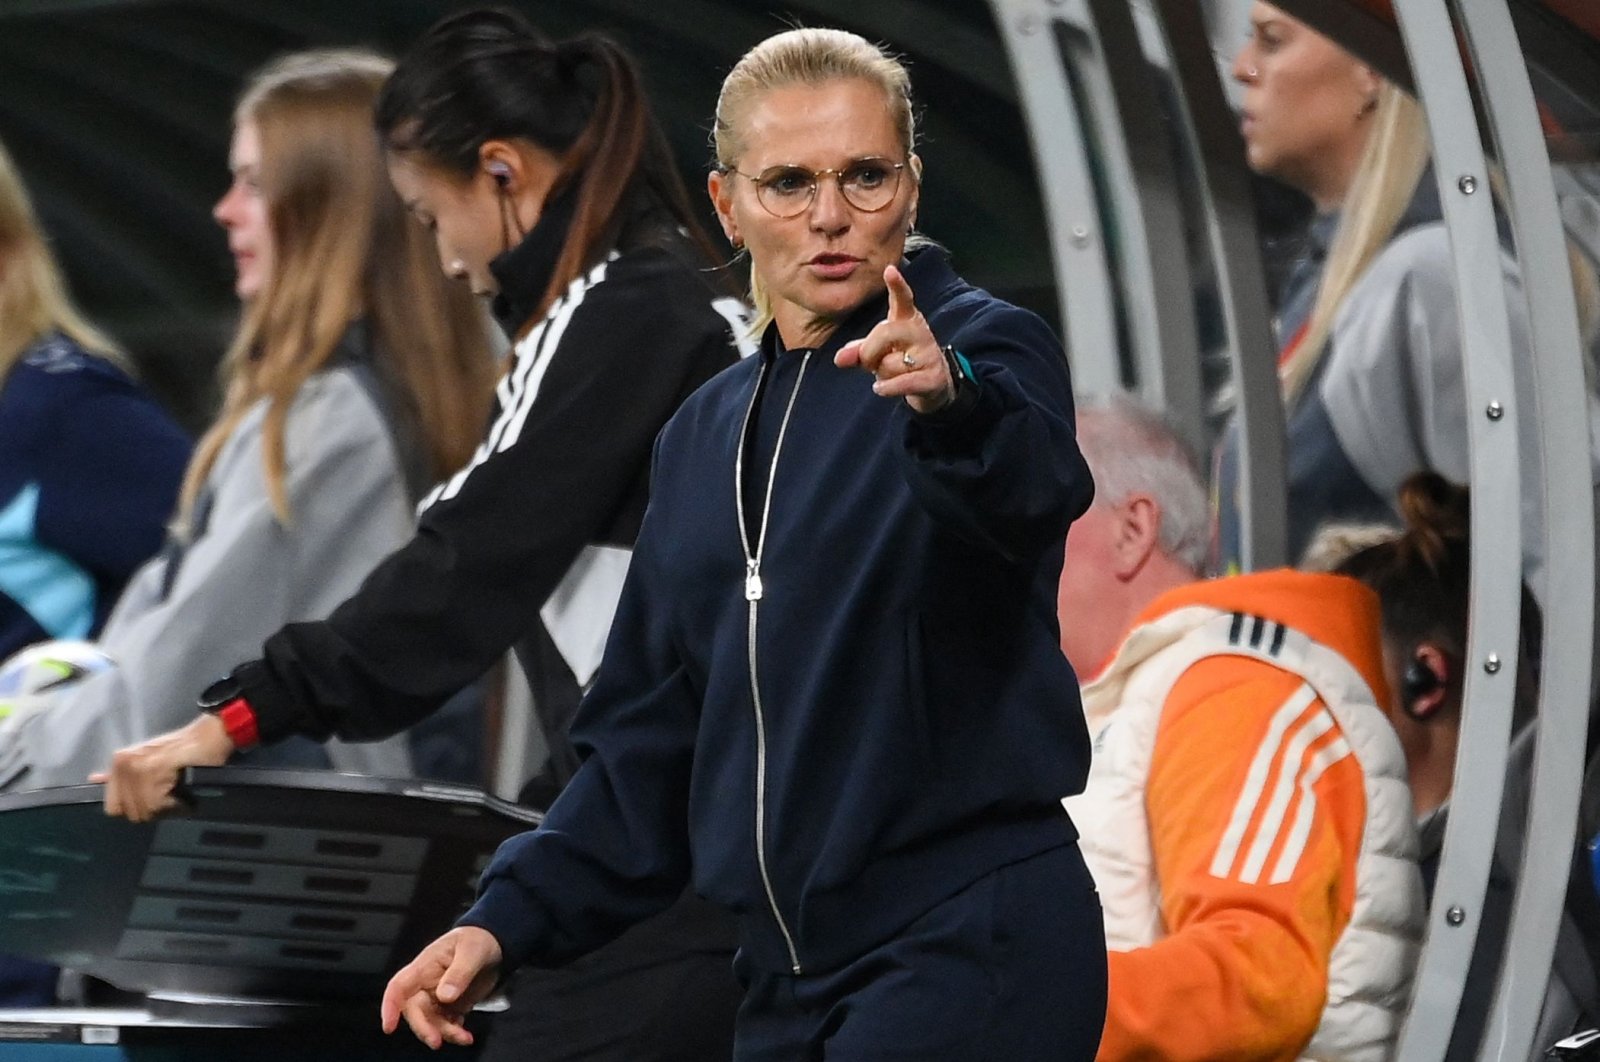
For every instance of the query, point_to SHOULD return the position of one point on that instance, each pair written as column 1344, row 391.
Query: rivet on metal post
column 1080, row 236
column 1468, row 184
column 1455, row 916
column 1491, row 663
column 1495, row 411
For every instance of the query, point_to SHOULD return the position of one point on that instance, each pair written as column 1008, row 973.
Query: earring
column 1251, row 73
column 738, row 243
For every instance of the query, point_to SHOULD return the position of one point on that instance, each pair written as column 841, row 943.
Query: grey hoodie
column 231, row 578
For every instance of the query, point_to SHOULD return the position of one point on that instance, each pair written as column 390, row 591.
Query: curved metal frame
column 1099, row 41
column 1213, row 139
column 1495, row 593
column 1061, row 151
column 1141, row 189
column 1166, row 352
column 1568, row 537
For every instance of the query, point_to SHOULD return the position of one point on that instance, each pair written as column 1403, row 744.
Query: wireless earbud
column 1417, row 681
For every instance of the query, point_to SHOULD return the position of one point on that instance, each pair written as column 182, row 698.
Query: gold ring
column 907, row 360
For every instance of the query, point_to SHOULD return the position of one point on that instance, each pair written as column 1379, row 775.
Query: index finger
column 902, row 303
column 401, row 987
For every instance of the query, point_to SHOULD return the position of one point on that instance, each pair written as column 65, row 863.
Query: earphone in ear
column 500, row 172
column 1417, row 681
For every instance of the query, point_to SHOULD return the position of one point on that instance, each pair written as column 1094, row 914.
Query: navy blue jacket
column 89, row 472
column 917, row 724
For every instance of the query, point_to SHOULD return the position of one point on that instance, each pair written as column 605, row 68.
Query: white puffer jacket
column 1371, row 966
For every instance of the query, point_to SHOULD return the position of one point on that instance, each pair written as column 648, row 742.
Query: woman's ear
column 914, row 164
column 1369, row 83
column 1425, row 684
column 500, row 161
column 720, row 189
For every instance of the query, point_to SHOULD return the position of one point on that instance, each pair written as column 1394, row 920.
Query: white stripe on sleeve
column 534, row 354
column 1278, row 807
column 1295, row 846
column 1256, row 780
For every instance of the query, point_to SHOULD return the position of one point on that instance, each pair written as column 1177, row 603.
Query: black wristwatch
column 960, row 368
column 225, row 699
column 963, row 387
column 219, row 694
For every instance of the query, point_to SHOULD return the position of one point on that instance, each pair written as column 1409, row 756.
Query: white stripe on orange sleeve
column 1289, row 767
column 1256, row 780
column 1295, row 846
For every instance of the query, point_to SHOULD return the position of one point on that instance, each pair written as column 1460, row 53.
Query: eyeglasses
column 867, row 184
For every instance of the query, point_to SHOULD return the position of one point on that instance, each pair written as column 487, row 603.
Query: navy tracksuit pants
column 1010, row 969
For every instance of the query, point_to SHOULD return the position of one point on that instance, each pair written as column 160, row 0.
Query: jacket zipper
column 753, row 593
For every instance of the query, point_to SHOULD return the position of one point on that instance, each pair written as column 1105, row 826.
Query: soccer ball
column 33, row 676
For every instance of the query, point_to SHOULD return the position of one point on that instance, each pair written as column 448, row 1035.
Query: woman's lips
column 833, row 266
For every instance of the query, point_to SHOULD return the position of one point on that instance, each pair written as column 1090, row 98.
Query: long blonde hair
column 1392, row 165
column 342, row 249
column 33, row 295
column 807, row 56
column 1385, row 182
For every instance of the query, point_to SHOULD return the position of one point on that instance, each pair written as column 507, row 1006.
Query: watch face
column 956, row 364
column 218, row 693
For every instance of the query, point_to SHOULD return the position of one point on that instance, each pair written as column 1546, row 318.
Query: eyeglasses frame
column 837, row 172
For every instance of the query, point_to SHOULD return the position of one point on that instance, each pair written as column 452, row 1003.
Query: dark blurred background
column 118, row 113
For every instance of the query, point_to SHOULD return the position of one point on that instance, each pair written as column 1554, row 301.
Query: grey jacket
column 1394, row 391
column 1389, row 397
column 229, row 580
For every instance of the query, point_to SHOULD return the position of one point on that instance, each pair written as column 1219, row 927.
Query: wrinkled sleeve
column 1001, row 465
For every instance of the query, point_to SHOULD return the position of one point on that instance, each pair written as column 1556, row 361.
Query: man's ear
column 1137, row 534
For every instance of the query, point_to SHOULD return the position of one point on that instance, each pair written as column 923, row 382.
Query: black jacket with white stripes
column 544, row 514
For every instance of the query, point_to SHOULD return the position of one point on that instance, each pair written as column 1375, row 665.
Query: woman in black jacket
column 834, row 696
column 549, row 188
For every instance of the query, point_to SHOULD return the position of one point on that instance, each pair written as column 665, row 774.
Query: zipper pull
column 752, row 580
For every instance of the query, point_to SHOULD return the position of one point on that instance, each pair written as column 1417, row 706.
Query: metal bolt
column 1028, row 24
column 1495, row 411
column 1468, row 184
column 1455, row 916
column 1080, row 236
column 1492, row 664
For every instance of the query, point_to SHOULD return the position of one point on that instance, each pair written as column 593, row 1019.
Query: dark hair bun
column 1437, row 516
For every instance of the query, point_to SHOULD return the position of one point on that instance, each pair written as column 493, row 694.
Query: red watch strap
column 239, row 720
